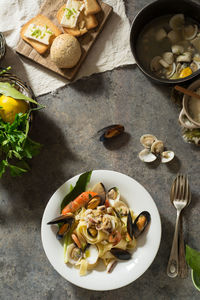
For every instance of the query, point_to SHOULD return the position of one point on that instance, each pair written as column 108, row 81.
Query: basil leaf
column 193, row 259
column 8, row 90
column 78, row 188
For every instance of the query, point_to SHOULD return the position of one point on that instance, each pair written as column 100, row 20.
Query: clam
column 167, row 156
column 111, row 265
column 190, row 32
column 141, row 223
column 110, row 132
column 91, row 255
column 113, row 195
column 69, row 217
column 174, row 36
column 120, row 254
column 146, row 156
column 177, row 49
column 196, row 43
column 171, row 70
column 185, row 57
column 161, row 34
column 177, row 21
column 101, row 191
column 168, row 57
column 73, row 254
column 94, row 202
column 164, row 63
column 157, row 147
column 147, row 140
column 121, row 208
column 196, row 58
column 195, row 66
column 155, row 64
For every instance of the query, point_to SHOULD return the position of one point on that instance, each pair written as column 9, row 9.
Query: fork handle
column 172, row 267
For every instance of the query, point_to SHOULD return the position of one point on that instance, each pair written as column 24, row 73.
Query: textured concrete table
column 65, row 128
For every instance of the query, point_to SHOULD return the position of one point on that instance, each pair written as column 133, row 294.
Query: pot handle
column 182, row 118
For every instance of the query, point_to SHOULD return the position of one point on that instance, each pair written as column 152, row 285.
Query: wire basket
column 2, row 45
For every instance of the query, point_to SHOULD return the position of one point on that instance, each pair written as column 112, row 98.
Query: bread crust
column 91, row 7
column 40, row 20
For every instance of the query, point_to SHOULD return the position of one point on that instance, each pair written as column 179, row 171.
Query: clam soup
column 169, row 47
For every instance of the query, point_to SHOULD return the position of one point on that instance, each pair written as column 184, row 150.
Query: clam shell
column 185, row 57
column 155, row 65
column 147, row 140
column 168, row 57
column 171, row 70
column 157, row 147
column 177, row 21
column 167, row 156
column 177, row 49
column 161, row 34
column 146, row 156
column 164, row 63
column 190, row 32
column 174, row 36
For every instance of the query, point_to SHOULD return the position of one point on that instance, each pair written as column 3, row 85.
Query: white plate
column 125, row 272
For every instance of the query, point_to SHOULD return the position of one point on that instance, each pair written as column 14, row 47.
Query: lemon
column 9, row 107
column 185, row 72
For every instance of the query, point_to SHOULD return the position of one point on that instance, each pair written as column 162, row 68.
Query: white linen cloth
column 111, row 49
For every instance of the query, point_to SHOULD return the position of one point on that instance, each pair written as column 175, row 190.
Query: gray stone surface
column 66, row 128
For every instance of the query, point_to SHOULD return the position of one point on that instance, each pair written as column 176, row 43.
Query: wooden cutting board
column 49, row 9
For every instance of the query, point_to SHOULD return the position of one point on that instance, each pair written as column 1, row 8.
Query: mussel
column 140, row 223
column 120, row 253
column 99, row 188
column 62, row 218
column 110, row 132
column 66, row 221
column 129, row 225
column 94, row 202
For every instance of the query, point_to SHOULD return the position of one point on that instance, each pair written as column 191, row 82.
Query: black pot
column 152, row 11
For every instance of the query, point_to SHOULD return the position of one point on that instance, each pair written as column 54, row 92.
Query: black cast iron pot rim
column 154, row 78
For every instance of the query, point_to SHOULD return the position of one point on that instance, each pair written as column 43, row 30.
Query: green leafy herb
column 15, row 145
column 193, row 259
column 8, row 90
column 78, row 188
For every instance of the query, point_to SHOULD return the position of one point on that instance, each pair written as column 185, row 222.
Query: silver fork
column 181, row 199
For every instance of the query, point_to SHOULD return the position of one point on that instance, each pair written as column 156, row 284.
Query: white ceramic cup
column 185, row 118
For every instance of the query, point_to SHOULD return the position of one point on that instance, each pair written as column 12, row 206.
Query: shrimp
column 78, row 202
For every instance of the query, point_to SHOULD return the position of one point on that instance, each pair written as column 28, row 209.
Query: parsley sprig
column 15, row 145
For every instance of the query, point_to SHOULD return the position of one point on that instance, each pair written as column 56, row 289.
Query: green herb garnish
column 37, row 33
column 15, row 146
column 69, row 13
column 78, row 189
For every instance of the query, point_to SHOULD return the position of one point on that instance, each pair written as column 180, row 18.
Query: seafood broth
column 150, row 45
column 194, row 107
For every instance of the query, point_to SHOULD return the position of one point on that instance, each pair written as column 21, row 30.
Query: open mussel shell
column 120, row 253
column 62, row 219
column 140, row 223
column 130, row 225
column 62, row 231
column 94, row 202
column 99, row 188
column 110, row 132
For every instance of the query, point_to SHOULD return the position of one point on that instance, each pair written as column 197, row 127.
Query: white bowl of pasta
column 144, row 250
